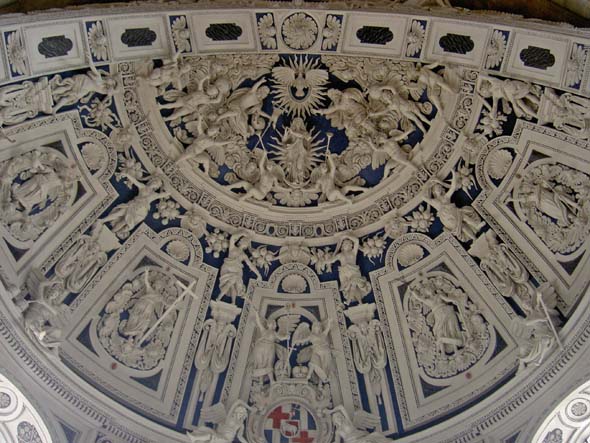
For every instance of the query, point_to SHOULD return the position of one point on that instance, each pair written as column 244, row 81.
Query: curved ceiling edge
column 305, row 224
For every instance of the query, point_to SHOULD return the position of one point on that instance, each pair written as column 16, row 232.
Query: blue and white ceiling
column 350, row 223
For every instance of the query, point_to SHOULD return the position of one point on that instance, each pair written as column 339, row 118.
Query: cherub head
column 485, row 88
column 437, row 190
column 335, row 95
column 240, row 413
column 347, row 245
column 262, row 92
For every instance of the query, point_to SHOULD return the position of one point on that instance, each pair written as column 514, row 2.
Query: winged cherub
column 324, row 179
column 269, row 178
column 204, row 146
column 319, row 354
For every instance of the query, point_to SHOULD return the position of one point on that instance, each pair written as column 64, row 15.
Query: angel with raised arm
column 324, row 179
column 265, row 348
column 345, row 430
column 508, row 92
column 126, row 216
column 230, row 425
column 319, row 354
column 396, row 104
column 434, row 83
column 269, row 178
column 391, row 153
column 245, row 109
column 231, row 275
column 348, row 110
column 186, row 104
column 170, row 73
column 81, row 87
column 204, row 146
column 353, row 285
column 463, row 222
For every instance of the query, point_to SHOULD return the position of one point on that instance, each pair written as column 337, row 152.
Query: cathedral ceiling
column 295, row 225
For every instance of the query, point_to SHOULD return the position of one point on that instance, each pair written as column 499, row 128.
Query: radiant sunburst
column 299, row 85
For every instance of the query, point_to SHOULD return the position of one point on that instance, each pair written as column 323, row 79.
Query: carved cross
column 185, row 290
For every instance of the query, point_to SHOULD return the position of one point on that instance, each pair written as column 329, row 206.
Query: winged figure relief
column 318, row 355
column 300, row 85
column 268, row 356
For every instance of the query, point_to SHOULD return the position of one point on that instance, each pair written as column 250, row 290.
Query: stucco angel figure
column 82, row 87
column 244, row 109
column 434, row 83
column 463, row 222
column 318, row 356
column 325, row 181
column 508, row 92
column 231, row 275
column 391, row 153
column 348, row 110
column 230, row 425
column 170, row 73
column 205, row 146
column 269, row 178
column 536, row 333
column 396, row 104
column 353, row 285
column 127, row 216
column 266, row 347
column 345, row 430
column 186, row 104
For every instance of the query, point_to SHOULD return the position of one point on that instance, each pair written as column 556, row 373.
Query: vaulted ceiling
column 294, row 222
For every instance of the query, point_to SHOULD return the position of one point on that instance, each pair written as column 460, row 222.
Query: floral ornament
column 193, row 221
column 465, row 177
column 267, row 31
column 27, row 433
column 575, row 66
column 373, row 247
column 300, row 31
column 555, row 436
column 491, row 124
column 97, row 41
column 17, row 55
column 181, row 34
column 129, row 167
column 331, row 32
column 420, row 220
column 4, row 400
column 100, row 114
column 217, row 242
column 167, row 210
column 415, row 38
column 94, row 156
column 262, row 258
column 496, row 49
column 296, row 198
